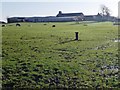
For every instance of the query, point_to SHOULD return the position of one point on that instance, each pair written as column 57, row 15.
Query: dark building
column 60, row 14
column 97, row 17
column 62, row 17
column 48, row 19
column 16, row 19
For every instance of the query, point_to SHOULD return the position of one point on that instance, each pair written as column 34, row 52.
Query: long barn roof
column 69, row 14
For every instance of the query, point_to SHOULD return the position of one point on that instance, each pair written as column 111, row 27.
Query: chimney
column 60, row 12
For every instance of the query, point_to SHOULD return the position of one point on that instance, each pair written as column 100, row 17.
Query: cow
column 53, row 25
column 18, row 24
column 3, row 25
column 44, row 24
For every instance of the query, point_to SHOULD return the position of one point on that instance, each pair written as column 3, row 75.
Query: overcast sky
column 10, row 8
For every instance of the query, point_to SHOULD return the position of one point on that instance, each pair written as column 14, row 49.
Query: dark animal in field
column 44, row 24
column 18, row 24
column 3, row 25
column 53, row 25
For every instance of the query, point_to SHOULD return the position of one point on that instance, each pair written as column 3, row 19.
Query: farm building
column 97, row 17
column 62, row 17
column 40, row 19
column 16, row 19
column 49, row 19
column 71, row 15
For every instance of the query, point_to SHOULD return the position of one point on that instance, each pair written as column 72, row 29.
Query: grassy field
column 37, row 55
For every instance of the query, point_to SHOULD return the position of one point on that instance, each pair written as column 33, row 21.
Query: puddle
column 116, row 40
column 114, row 68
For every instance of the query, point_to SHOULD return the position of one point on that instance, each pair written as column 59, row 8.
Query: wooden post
column 76, row 35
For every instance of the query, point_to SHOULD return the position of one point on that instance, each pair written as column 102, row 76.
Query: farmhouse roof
column 60, row 14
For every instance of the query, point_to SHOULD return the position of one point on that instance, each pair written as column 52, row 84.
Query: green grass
column 41, row 56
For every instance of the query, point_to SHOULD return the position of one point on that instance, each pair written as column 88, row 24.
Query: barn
column 62, row 17
column 72, row 15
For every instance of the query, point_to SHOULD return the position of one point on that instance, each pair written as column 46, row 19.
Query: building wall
column 60, row 19
column 15, row 19
column 41, row 19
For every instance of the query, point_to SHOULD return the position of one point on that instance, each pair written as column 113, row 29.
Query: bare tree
column 105, row 11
